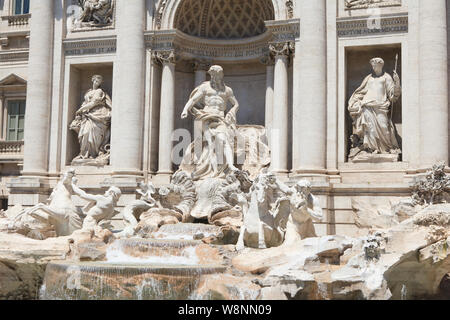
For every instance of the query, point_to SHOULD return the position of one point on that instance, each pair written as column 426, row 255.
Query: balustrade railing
column 11, row 148
column 17, row 20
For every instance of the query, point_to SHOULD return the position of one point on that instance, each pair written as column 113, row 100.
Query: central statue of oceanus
column 219, row 129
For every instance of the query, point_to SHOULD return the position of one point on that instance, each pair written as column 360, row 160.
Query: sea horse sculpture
column 60, row 212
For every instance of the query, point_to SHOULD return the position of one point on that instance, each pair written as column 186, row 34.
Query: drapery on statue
column 95, row 13
column 93, row 125
column 219, row 129
column 369, row 106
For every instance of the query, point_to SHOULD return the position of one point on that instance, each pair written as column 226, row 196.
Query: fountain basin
column 162, row 251
column 186, row 231
column 106, row 281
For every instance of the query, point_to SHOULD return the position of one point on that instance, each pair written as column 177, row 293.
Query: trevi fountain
column 317, row 171
column 226, row 231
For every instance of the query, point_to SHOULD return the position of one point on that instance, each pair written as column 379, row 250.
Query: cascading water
column 167, row 252
column 134, row 269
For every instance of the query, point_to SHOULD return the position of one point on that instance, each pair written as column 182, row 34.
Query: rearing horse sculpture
column 60, row 212
column 278, row 214
column 262, row 228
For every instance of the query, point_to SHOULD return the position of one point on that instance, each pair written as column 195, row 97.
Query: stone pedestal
column 28, row 191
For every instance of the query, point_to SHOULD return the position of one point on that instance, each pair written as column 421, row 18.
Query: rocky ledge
column 410, row 260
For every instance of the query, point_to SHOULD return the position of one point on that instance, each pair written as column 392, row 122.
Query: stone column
column 280, row 118
column 5, row 119
column 167, row 112
column 200, row 69
column 270, row 71
column 2, row 119
column 128, row 104
column 310, row 114
column 37, row 117
column 433, row 82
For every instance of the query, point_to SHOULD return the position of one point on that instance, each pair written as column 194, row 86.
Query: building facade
column 293, row 66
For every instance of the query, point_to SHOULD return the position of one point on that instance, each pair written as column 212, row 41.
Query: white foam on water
column 179, row 236
column 172, row 236
column 114, row 255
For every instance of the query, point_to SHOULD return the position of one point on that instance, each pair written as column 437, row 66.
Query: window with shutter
column 21, row 6
column 16, row 120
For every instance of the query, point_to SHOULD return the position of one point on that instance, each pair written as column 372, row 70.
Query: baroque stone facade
column 293, row 67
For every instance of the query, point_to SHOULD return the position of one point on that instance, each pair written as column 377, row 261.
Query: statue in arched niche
column 93, row 126
column 374, row 135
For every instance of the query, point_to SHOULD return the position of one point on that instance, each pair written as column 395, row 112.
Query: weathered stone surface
column 92, row 251
column 23, row 262
column 208, row 255
column 226, row 287
column 369, row 216
column 259, row 261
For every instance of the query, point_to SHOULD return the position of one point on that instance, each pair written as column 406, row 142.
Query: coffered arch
column 167, row 12
column 223, row 19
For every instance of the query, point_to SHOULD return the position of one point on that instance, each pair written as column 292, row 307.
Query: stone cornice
column 369, row 26
column 391, row 3
column 8, row 56
column 284, row 30
column 90, row 46
column 188, row 47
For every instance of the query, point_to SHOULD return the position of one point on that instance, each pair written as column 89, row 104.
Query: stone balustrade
column 11, row 148
column 17, row 20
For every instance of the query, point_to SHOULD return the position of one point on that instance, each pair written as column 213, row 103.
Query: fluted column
column 268, row 61
column 309, row 114
column 280, row 115
column 167, row 112
column 37, row 115
column 433, row 82
column 128, row 103
column 200, row 70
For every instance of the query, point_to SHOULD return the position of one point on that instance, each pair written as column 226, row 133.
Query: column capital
column 165, row 57
column 201, row 64
column 267, row 60
column 282, row 48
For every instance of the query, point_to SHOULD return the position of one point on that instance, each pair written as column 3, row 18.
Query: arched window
column 21, row 7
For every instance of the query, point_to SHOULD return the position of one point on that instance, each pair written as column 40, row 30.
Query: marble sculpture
column 95, row 13
column 93, row 126
column 370, row 107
